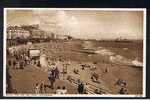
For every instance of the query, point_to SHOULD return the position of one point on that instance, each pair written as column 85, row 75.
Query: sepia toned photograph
column 62, row 52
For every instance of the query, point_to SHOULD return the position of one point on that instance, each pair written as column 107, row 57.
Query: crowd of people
column 54, row 73
column 40, row 88
column 20, row 56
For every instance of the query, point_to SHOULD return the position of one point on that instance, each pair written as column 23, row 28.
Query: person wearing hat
column 51, row 78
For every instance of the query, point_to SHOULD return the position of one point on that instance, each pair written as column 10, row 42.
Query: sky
column 84, row 24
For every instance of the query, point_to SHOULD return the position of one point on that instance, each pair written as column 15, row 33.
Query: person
column 93, row 67
column 9, row 88
column 124, row 83
column 56, row 73
column 38, row 64
column 95, row 77
column 58, row 90
column 27, row 60
column 53, row 71
column 81, row 88
column 21, row 64
column 76, row 71
column 98, row 91
column 42, row 88
column 121, row 82
column 123, row 90
column 64, row 90
column 17, row 65
column 64, row 68
column 82, row 67
column 86, row 88
column 106, row 70
column 37, row 88
column 51, row 78
column 14, row 62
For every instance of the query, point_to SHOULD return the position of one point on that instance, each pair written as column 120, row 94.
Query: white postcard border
column 75, row 95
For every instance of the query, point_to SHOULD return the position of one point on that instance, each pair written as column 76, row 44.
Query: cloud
column 83, row 24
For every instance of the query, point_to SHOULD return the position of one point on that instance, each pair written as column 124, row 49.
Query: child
column 42, row 88
column 37, row 88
